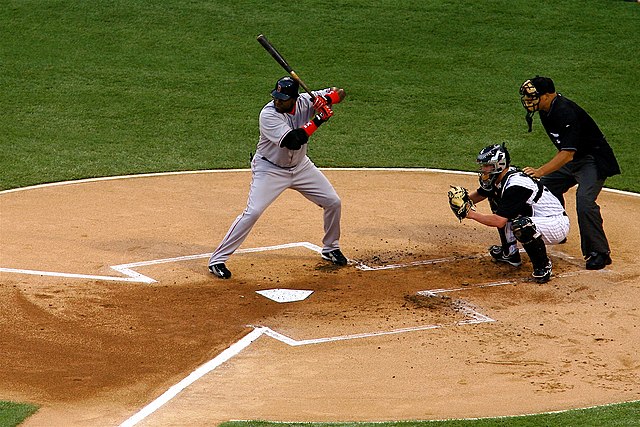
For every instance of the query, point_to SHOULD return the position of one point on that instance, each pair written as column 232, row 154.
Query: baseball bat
column 283, row 62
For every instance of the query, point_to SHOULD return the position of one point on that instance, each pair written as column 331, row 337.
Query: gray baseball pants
column 268, row 182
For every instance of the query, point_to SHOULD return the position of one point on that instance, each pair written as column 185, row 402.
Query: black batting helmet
column 286, row 88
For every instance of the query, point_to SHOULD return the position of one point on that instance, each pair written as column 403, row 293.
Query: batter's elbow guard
column 295, row 139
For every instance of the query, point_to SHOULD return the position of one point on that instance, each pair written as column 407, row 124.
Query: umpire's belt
column 276, row 165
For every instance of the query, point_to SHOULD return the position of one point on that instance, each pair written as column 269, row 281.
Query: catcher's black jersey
column 570, row 128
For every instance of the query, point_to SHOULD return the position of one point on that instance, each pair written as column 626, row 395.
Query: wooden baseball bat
column 283, row 62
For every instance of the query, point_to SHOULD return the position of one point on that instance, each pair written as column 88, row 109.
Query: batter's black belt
column 278, row 166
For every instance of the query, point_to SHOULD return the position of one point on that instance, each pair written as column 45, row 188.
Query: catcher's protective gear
column 492, row 161
column 524, row 229
column 286, row 88
column 459, row 202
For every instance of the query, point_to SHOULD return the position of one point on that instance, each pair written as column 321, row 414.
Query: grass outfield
column 121, row 87
column 12, row 414
column 624, row 414
column 118, row 87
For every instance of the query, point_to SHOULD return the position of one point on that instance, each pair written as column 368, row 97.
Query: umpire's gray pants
column 584, row 173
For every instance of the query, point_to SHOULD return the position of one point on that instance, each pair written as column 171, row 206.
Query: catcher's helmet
column 286, row 88
column 492, row 160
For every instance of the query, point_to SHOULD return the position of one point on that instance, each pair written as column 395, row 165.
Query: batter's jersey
column 519, row 194
column 275, row 126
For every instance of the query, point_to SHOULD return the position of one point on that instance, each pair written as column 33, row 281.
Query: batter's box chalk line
column 257, row 332
column 128, row 274
column 470, row 312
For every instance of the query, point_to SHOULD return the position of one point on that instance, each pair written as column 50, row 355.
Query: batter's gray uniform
column 274, row 169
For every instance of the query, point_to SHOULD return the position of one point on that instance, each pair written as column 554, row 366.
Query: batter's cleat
column 597, row 260
column 335, row 256
column 220, row 270
column 498, row 255
column 542, row 275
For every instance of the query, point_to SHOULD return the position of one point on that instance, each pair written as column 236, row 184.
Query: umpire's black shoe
column 335, row 256
column 498, row 255
column 598, row 260
column 220, row 270
column 543, row 275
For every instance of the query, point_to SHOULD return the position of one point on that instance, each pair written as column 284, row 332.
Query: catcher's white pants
column 553, row 229
column 268, row 182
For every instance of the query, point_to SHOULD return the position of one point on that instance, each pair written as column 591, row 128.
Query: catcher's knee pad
column 524, row 229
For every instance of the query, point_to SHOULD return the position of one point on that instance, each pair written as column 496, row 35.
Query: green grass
column 118, row 87
column 624, row 414
column 132, row 86
column 12, row 414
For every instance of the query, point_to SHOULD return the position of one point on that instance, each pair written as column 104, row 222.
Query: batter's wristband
column 332, row 97
column 312, row 125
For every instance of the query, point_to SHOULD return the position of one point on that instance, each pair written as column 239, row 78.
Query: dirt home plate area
column 110, row 316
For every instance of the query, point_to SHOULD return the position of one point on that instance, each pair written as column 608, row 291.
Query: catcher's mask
column 492, row 160
column 530, row 92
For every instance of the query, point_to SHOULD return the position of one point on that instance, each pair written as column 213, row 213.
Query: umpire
column 584, row 158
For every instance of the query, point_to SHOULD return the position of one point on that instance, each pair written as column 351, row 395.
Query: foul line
column 472, row 316
column 257, row 332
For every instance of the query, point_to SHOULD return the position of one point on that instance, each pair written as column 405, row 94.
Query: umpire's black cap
column 543, row 85
column 286, row 88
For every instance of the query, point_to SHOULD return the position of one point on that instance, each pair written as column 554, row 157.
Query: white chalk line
column 133, row 276
column 366, row 267
column 472, row 316
column 165, row 397
column 208, row 171
column 257, row 332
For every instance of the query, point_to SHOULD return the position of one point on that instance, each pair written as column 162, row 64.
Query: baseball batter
column 281, row 162
column 523, row 211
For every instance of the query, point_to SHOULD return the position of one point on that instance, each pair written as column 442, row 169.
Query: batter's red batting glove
column 325, row 112
column 312, row 125
column 319, row 103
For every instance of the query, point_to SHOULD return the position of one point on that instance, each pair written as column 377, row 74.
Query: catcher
column 523, row 211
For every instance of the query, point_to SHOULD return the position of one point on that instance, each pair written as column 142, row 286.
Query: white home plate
column 285, row 295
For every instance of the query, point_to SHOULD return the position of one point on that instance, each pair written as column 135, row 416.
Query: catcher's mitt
column 459, row 202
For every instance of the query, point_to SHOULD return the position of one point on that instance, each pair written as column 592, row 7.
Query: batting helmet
column 492, row 160
column 286, row 88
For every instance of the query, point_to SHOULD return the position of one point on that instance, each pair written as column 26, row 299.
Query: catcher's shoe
column 220, row 270
column 498, row 255
column 542, row 275
column 335, row 256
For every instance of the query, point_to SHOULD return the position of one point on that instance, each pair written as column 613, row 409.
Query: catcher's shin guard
column 537, row 251
column 524, row 229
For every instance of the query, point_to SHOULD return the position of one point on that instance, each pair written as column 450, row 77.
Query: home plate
column 285, row 295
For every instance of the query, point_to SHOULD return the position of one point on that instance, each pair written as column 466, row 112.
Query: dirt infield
column 94, row 345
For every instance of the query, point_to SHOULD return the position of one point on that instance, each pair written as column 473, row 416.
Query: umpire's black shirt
column 570, row 128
